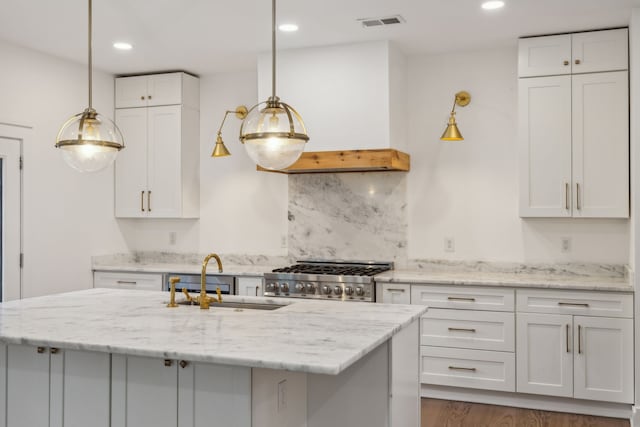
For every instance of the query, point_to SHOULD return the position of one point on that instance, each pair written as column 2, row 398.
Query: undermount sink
column 238, row 305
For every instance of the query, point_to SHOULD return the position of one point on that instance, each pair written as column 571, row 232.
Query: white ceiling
column 205, row 36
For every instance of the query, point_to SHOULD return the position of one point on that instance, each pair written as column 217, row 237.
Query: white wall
column 469, row 190
column 67, row 216
column 242, row 211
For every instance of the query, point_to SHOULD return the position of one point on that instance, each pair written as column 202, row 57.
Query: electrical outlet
column 282, row 395
column 173, row 236
column 565, row 244
column 449, row 244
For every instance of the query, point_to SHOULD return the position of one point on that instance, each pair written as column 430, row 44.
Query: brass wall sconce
column 452, row 133
column 220, row 150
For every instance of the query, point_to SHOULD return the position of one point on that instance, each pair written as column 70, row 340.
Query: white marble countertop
column 310, row 336
column 519, row 280
column 185, row 268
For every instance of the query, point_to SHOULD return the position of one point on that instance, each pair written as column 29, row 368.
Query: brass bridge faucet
column 204, row 299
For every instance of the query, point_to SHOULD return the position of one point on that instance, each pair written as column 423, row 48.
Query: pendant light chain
column 90, row 56
column 273, row 48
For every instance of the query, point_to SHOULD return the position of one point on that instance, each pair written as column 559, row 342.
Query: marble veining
column 358, row 216
column 309, row 336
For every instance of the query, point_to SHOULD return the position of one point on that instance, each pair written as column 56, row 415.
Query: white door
column 603, row 349
column 544, row 354
column 595, row 51
column 131, row 92
column 165, row 171
column 165, row 89
column 544, row 56
column 544, row 128
column 601, row 145
column 28, row 380
column 131, row 164
column 10, row 215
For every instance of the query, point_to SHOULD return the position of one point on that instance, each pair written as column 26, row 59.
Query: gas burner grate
column 336, row 270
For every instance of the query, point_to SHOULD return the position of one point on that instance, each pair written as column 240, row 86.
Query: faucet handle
column 219, row 292
column 186, row 294
column 172, row 284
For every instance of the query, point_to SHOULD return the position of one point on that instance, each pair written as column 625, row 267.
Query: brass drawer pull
column 40, row 350
column 579, row 339
column 578, row 201
column 565, row 63
column 142, row 201
column 149, row 200
column 168, row 362
column 567, row 325
column 126, row 282
column 566, row 196
column 458, row 368
column 183, row 364
column 142, row 98
column 578, row 62
column 395, row 290
column 574, row 304
column 461, row 299
column 462, row 329
column 54, row 350
column 257, row 289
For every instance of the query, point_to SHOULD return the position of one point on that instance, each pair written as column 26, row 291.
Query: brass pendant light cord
column 90, row 57
column 273, row 48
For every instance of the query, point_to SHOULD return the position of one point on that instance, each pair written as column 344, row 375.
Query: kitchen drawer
column 394, row 293
column 463, row 297
column 119, row 280
column 480, row 330
column 487, row 370
column 606, row 304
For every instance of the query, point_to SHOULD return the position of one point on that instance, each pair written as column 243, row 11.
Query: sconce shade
column 89, row 142
column 274, row 136
column 220, row 150
column 452, row 133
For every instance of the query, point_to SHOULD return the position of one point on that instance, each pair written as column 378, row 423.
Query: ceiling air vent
column 376, row 22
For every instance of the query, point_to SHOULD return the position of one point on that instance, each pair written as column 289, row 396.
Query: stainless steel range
column 326, row 279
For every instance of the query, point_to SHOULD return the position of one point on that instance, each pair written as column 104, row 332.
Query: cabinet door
column 144, row 392
column 249, row 286
column 164, row 199
column 164, row 89
column 601, row 145
column 544, row 56
column 595, row 51
column 131, row 164
column 545, row 146
column 124, row 280
column 131, row 92
column 28, row 386
column 544, row 354
column 603, row 349
column 393, row 293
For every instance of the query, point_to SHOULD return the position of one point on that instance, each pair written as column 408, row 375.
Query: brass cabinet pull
column 578, row 202
column 574, row 304
column 394, row 290
column 142, row 201
column 183, row 364
column 461, row 299
column 458, row 368
column 149, row 200
column 126, row 282
column 579, row 339
column 40, row 350
column 54, row 350
column 577, row 62
column 168, row 362
column 566, row 196
column 462, row 329
column 566, row 63
column 149, row 97
column 567, row 337
column 257, row 289
column 142, row 98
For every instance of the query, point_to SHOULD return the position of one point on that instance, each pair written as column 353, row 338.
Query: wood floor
column 446, row 413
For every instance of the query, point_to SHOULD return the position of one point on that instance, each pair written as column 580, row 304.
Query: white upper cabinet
column 157, row 174
column 157, row 89
column 588, row 52
column 350, row 97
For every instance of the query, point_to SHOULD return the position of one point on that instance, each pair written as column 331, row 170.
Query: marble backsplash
column 360, row 216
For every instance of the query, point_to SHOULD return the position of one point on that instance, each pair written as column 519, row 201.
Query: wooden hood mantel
column 348, row 161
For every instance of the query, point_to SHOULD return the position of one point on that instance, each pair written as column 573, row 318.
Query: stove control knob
column 326, row 290
column 360, row 291
column 348, row 290
column 310, row 288
column 271, row 287
column 299, row 287
column 284, row 287
column 338, row 290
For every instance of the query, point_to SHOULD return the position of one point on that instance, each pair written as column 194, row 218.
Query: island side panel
column 405, row 377
column 279, row 398
column 358, row 397
column 3, row 385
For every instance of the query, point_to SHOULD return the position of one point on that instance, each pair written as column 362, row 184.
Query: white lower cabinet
column 157, row 392
column 250, row 286
column 125, row 280
column 395, row 293
column 40, row 377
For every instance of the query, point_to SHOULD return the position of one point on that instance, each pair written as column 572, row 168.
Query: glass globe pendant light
column 89, row 141
column 273, row 133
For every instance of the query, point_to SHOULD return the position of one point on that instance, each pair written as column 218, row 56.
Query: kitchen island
column 106, row 357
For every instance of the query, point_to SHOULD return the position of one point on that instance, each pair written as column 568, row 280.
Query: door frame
column 20, row 134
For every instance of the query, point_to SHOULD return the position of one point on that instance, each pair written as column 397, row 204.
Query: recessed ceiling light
column 123, row 46
column 494, row 4
column 288, row 28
